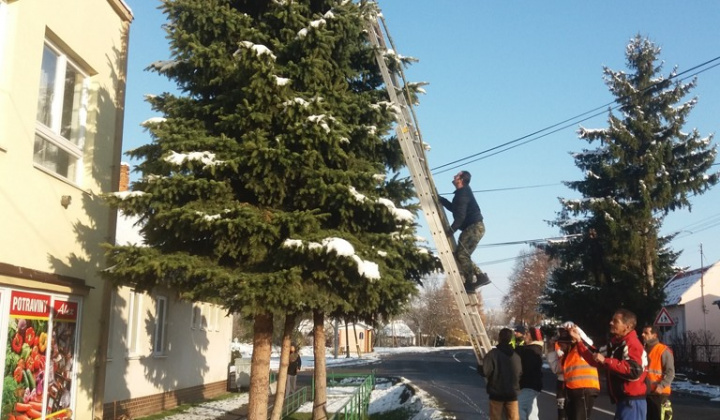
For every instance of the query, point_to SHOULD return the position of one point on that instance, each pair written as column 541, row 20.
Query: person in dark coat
column 502, row 370
column 467, row 218
column 531, row 358
column 293, row 367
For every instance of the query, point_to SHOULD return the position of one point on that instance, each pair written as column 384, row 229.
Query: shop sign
column 39, row 357
column 62, row 356
column 25, row 375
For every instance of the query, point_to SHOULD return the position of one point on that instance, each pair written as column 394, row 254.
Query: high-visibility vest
column 578, row 373
column 655, row 373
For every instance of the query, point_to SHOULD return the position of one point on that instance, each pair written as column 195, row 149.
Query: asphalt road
column 451, row 378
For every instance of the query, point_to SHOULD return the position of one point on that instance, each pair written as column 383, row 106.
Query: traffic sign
column 663, row 319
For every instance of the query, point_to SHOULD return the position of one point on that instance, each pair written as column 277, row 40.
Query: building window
column 204, row 320
column 135, row 316
column 361, row 335
column 111, row 326
column 160, row 325
column 61, row 114
column 196, row 316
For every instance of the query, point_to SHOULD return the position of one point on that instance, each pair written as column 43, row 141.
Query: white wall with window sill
column 60, row 178
column 144, row 357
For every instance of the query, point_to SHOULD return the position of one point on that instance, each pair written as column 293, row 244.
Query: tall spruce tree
column 263, row 188
column 644, row 166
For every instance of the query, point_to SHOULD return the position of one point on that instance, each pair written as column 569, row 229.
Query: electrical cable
column 572, row 120
column 509, row 188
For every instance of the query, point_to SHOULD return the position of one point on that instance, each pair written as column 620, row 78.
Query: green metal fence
column 294, row 401
column 356, row 407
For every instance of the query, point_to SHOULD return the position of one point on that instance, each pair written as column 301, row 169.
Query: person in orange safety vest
column 661, row 372
column 582, row 385
column 554, row 356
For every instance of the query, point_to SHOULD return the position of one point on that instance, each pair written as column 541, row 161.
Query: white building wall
column 38, row 232
column 198, row 350
column 700, row 314
column 690, row 315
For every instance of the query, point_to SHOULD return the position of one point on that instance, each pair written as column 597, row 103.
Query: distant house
column 162, row 351
column 359, row 336
column 689, row 301
column 396, row 334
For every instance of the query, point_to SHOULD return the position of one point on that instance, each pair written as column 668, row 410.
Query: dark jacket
column 502, row 369
column 464, row 208
column 295, row 364
column 625, row 365
column 532, row 361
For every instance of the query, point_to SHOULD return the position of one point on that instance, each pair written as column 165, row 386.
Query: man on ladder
column 469, row 220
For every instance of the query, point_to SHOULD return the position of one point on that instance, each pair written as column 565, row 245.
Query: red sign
column 29, row 305
column 663, row 319
column 65, row 311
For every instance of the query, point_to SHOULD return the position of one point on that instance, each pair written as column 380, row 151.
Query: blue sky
column 500, row 70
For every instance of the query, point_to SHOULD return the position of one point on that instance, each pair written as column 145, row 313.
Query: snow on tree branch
column 124, row 195
column 401, row 215
column 207, row 158
column 315, row 24
column 300, row 101
column 152, row 121
column 343, row 248
column 281, row 81
column 258, row 49
column 320, row 120
column 163, row 65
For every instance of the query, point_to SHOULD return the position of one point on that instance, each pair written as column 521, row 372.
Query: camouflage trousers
column 467, row 242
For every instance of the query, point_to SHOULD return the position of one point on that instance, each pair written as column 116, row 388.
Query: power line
column 531, row 242
column 510, row 188
column 563, row 124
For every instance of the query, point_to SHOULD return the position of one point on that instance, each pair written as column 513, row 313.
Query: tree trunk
column 282, row 371
column 347, row 340
column 320, row 399
column 357, row 342
column 649, row 258
column 260, row 367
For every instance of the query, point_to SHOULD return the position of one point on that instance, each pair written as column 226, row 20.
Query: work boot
column 482, row 279
column 470, row 287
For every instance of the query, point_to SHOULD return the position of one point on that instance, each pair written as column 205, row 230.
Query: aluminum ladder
column 413, row 149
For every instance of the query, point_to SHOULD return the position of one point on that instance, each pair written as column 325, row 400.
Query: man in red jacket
column 625, row 363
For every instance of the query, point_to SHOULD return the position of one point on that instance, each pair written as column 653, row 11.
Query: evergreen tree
column 263, row 188
column 644, row 166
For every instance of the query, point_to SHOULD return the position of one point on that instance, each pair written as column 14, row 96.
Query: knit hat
column 520, row 329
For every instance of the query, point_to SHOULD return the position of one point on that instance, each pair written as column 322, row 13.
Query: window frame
column 134, row 313
column 53, row 133
column 160, row 327
column 195, row 317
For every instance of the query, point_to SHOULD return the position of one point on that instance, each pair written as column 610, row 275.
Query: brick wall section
column 144, row 406
column 124, row 177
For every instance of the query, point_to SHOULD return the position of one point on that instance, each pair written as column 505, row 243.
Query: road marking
column 594, row 408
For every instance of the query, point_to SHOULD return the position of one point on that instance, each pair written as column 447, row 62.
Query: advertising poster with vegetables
column 62, row 357
column 24, row 377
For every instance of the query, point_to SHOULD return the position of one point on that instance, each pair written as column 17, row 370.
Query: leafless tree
column 433, row 314
column 495, row 320
column 527, row 283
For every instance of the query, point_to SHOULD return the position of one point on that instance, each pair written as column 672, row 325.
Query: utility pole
column 702, row 289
